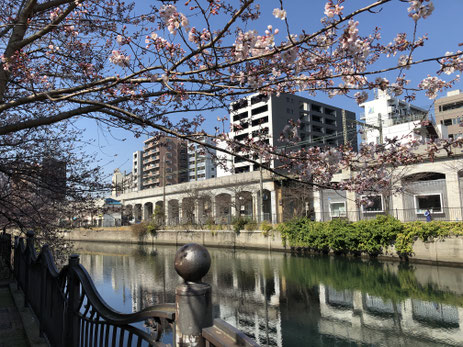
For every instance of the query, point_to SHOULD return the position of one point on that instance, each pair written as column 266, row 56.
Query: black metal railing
column 72, row 313
column 5, row 256
column 449, row 214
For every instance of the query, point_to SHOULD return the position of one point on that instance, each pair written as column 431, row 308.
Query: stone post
column 192, row 298
column 452, row 183
column 255, row 207
column 180, row 211
column 398, row 207
column 318, row 204
column 198, row 212
column 352, row 209
column 274, row 206
column 233, row 210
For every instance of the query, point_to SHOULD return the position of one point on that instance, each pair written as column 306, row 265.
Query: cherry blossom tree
column 45, row 181
column 159, row 67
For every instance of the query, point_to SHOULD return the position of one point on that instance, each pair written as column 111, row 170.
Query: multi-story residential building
column 165, row 162
column 397, row 119
column 268, row 117
column 449, row 112
column 201, row 163
column 137, row 171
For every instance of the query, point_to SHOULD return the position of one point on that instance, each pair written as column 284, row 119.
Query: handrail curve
column 78, row 308
column 72, row 313
column 166, row 311
column 46, row 257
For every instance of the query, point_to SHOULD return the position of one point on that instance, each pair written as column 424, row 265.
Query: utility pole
column 380, row 128
column 366, row 125
column 196, row 165
column 261, row 198
column 164, row 187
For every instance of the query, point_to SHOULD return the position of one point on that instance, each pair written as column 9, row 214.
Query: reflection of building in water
column 256, row 293
column 249, row 300
column 246, row 298
column 368, row 319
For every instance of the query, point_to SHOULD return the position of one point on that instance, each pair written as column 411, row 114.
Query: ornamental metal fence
column 448, row 214
column 5, row 259
column 71, row 312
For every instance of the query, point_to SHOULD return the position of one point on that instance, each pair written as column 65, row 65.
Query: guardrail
column 72, row 313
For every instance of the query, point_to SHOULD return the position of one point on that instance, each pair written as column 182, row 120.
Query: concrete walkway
column 12, row 333
column 18, row 325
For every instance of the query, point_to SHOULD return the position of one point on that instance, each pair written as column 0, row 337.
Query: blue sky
column 114, row 148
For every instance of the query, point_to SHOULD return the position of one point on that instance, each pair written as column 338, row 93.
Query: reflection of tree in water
column 276, row 297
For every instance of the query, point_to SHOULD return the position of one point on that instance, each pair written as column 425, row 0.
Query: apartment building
column 388, row 117
column 269, row 117
column 449, row 112
column 165, row 162
column 136, row 175
column 201, row 163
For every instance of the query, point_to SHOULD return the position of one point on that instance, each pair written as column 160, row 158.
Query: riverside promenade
column 18, row 326
column 12, row 331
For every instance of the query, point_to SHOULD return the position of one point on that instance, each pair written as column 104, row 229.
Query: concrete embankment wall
column 228, row 239
column 448, row 250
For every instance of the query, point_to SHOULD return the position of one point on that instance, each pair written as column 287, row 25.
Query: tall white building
column 201, row 164
column 137, row 171
column 397, row 119
column 270, row 117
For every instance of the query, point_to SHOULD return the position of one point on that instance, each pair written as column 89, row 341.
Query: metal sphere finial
column 192, row 262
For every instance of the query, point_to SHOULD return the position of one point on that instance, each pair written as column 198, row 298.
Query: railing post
column 43, row 290
column 28, row 261
column 16, row 262
column 72, row 320
column 192, row 298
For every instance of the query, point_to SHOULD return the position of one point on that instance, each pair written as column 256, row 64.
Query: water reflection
column 283, row 300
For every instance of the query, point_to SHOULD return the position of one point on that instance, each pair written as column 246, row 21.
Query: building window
column 240, row 116
column 447, row 122
column 259, row 110
column 259, row 121
column 452, row 106
column 240, row 104
column 258, row 98
column 330, row 112
column 375, row 204
column 431, row 202
column 338, row 209
column 316, row 108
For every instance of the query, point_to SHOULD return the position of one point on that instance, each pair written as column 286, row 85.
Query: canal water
column 285, row 300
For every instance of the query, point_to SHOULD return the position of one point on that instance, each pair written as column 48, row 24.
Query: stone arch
column 266, row 205
column 423, row 176
column 137, row 213
column 223, row 208
column 148, row 211
column 244, row 204
column 173, row 215
column 159, row 213
column 188, row 210
column 204, row 209
column 127, row 214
